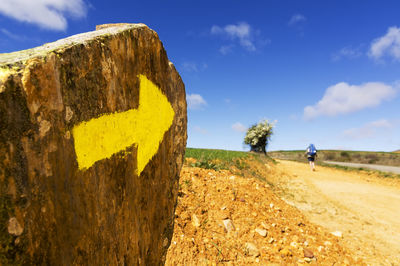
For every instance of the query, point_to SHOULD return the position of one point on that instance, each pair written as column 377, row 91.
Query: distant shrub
column 330, row 156
column 345, row 156
column 258, row 135
column 372, row 158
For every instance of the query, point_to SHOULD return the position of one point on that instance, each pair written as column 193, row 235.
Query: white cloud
column 226, row 49
column 388, row 45
column 297, row 18
column 368, row 130
column 190, row 67
column 200, row 130
column 347, row 52
column 193, row 67
column 48, row 14
column 239, row 127
column 12, row 35
column 195, row 101
column 241, row 32
column 343, row 98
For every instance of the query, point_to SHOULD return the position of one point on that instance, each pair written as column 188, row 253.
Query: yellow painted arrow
column 102, row 137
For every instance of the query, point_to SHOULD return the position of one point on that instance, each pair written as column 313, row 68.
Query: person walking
column 311, row 153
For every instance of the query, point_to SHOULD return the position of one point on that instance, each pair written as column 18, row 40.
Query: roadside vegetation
column 247, row 164
column 243, row 163
column 381, row 158
column 259, row 135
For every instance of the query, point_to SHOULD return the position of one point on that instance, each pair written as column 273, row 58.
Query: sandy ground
column 363, row 207
column 231, row 218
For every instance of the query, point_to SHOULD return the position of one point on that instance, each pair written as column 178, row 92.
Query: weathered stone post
column 92, row 140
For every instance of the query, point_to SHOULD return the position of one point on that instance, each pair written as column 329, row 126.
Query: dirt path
column 364, row 208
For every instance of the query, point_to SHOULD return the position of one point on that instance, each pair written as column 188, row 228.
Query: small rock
column 307, row 260
column 320, row 248
column 195, row 221
column 261, row 232
column 327, row 243
column 294, row 244
column 232, row 177
column 14, row 227
column 273, row 225
column 264, row 225
column 308, row 253
column 337, row 233
column 223, row 208
column 305, row 243
column 285, row 229
column 286, row 252
column 271, row 205
column 271, row 240
column 242, row 200
column 228, row 225
column 251, row 250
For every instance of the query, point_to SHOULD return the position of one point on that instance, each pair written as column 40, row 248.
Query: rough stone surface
column 195, row 221
column 251, row 250
column 261, row 232
column 228, row 225
column 308, row 253
column 52, row 212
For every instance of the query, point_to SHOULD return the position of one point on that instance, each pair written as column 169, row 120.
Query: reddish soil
column 207, row 198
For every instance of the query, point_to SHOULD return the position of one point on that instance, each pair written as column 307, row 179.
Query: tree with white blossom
column 258, row 135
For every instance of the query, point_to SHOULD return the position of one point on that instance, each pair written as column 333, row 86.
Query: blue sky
column 326, row 72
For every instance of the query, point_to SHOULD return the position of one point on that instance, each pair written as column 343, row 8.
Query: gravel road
column 383, row 168
column 363, row 207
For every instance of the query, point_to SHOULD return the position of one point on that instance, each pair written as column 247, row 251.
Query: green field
column 223, row 159
column 211, row 154
column 216, row 159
